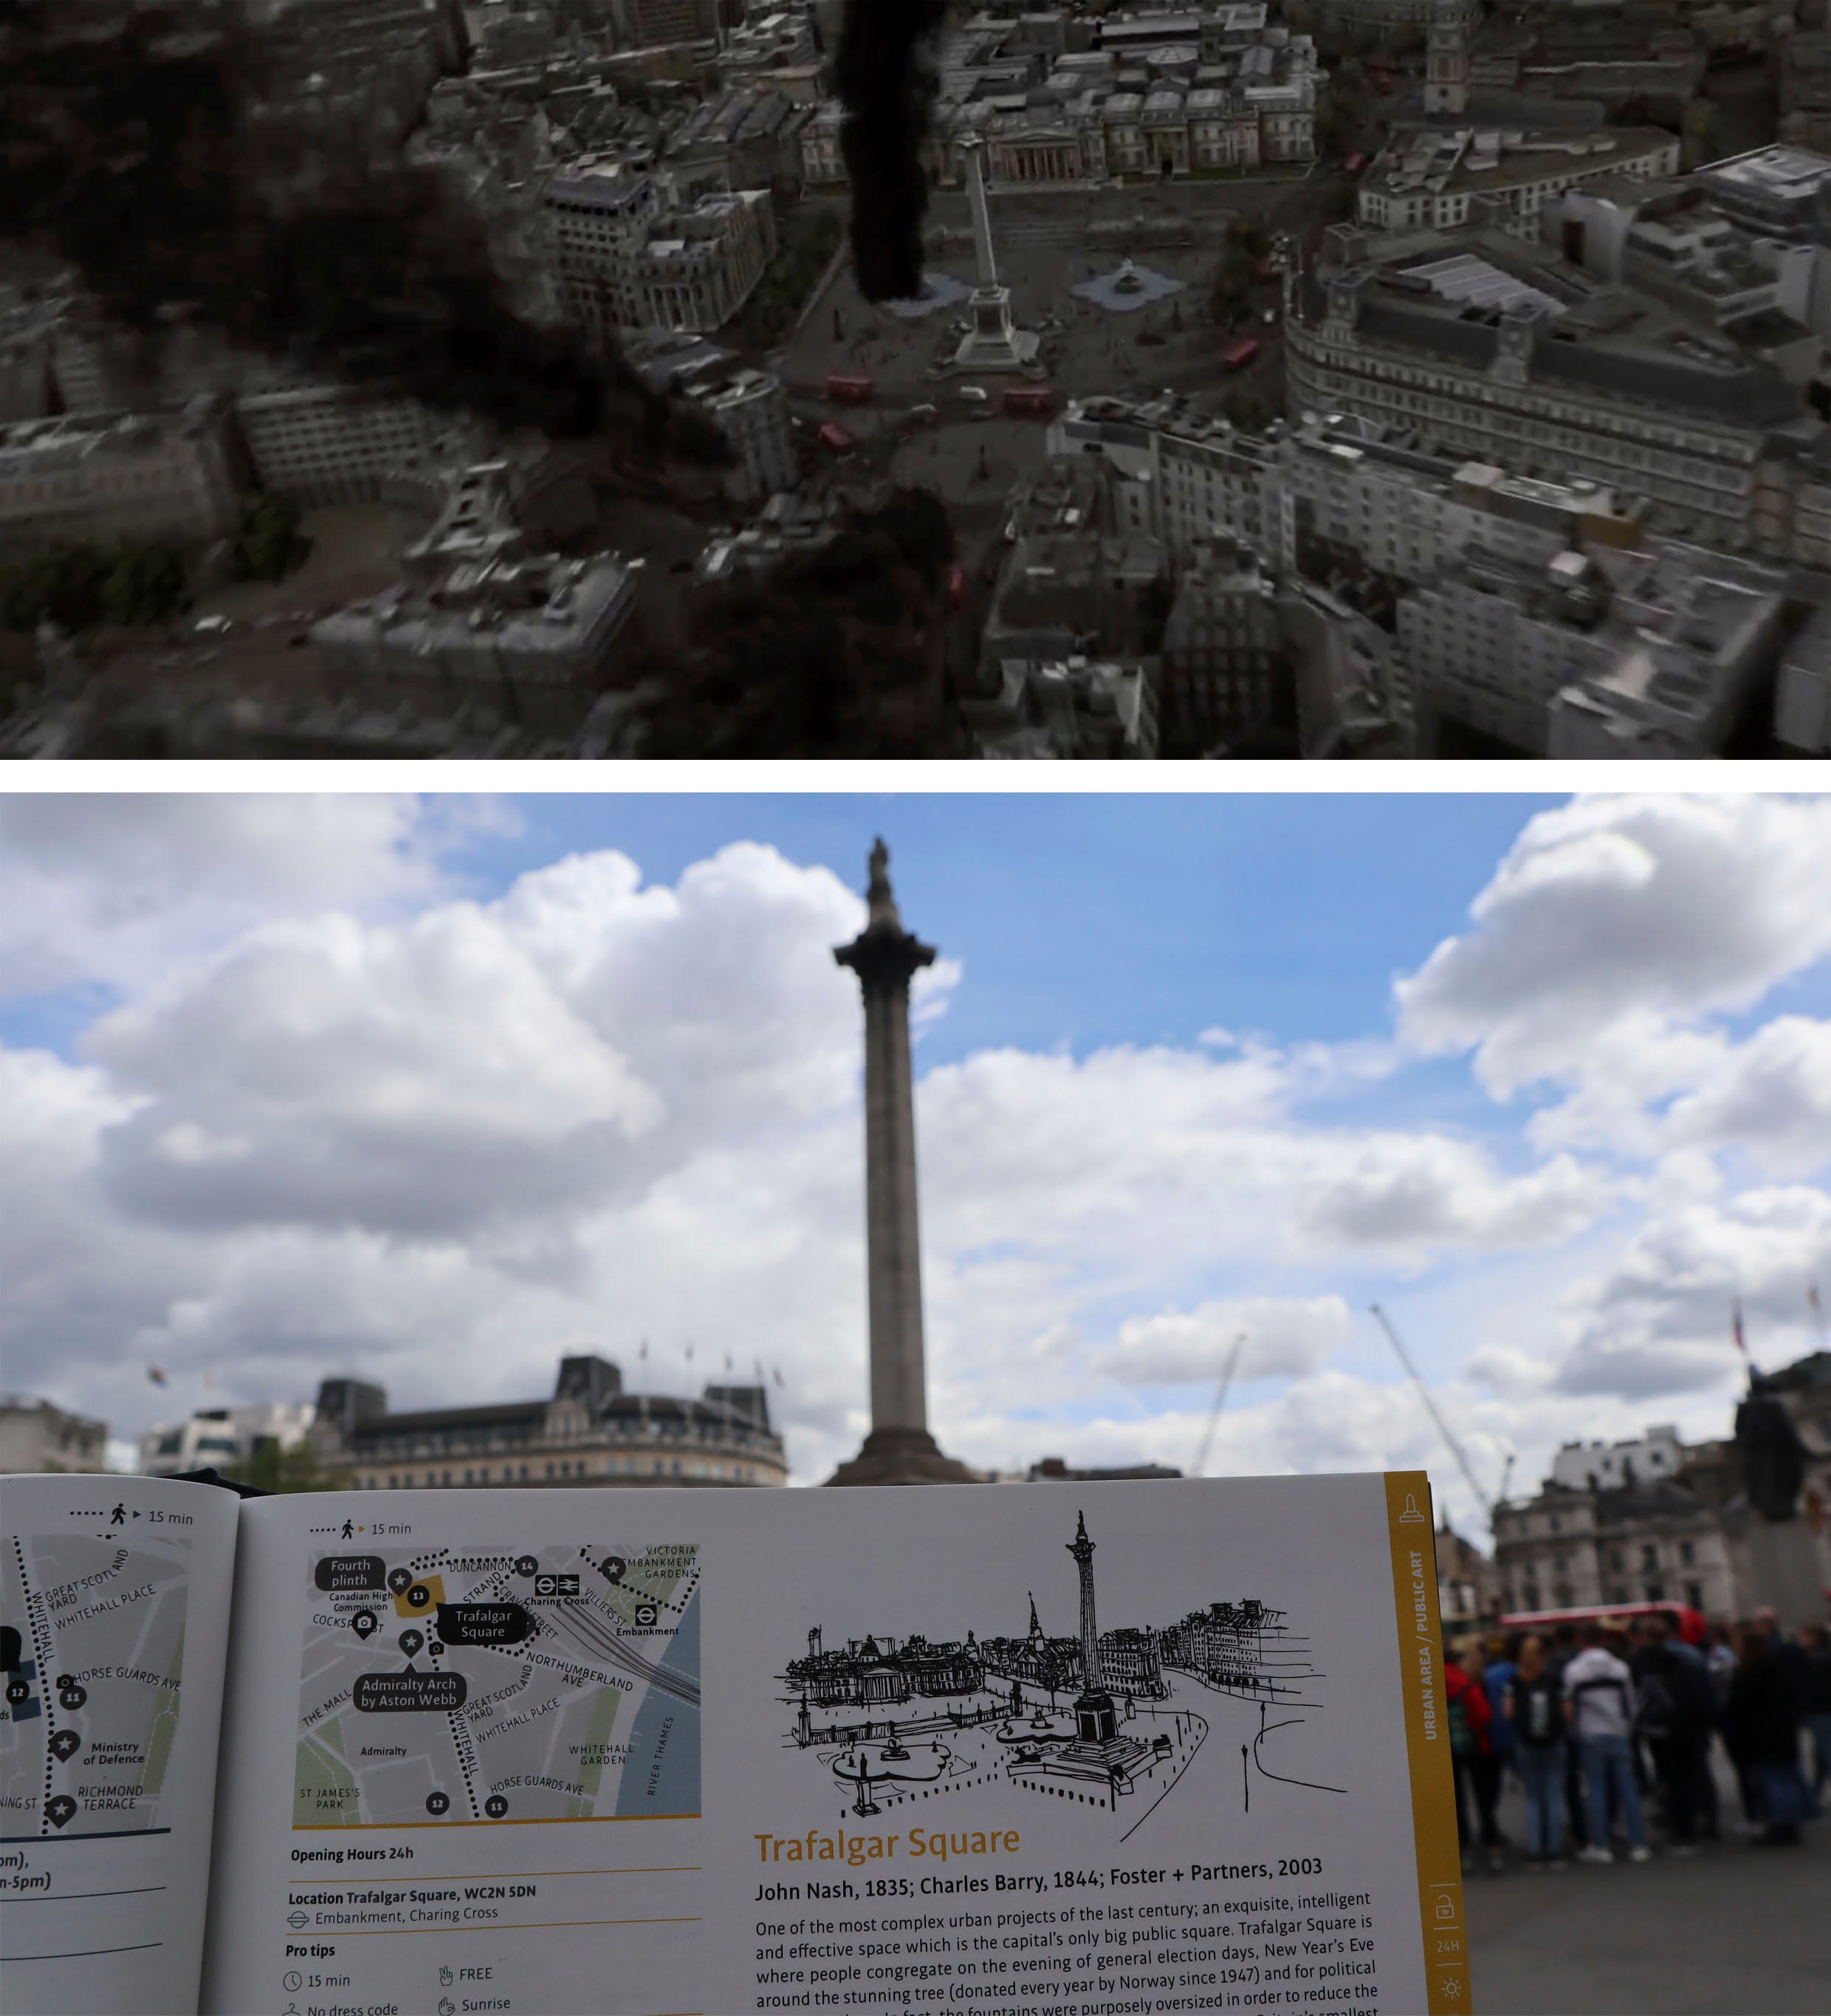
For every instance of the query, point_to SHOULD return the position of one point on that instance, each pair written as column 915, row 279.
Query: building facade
column 139, row 478
column 591, row 1432
column 215, row 1437
column 1479, row 343
column 530, row 637
column 37, row 1437
column 1224, row 661
column 1430, row 178
column 630, row 258
column 1655, row 1543
column 318, row 445
column 751, row 409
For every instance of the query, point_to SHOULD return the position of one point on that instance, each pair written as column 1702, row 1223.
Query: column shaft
column 898, row 1388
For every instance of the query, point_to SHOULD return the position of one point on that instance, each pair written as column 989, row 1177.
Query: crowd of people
column 1608, row 1726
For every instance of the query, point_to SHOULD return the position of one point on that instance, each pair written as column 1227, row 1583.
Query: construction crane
column 1455, row 1447
column 1231, row 1366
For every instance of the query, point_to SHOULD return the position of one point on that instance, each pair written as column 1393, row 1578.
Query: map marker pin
column 399, row 1578
column 60, row 1810
column 363, row 1623
column 410, row 1642
column 19, row 1690
column 65, row 1744
column 71, row 1694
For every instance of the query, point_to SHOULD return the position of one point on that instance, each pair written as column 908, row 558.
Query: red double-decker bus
column 1237, row 355
column 852, row 388
column 1030, row 399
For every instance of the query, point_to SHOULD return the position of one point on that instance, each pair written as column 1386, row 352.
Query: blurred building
column 590, row 1432
column 1602, row 1466
column 526, row 637
column 1464, row 1582
column 751, row 409
column 139, row 478
column 215, row 1437
column 37, row 1436
column 1628, row 1543
column 1073, row 708
column 1054, row 1469
column 326, row 444
column 1225, row 667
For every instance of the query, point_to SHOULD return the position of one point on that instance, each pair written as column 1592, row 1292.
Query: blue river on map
column 667, row 1728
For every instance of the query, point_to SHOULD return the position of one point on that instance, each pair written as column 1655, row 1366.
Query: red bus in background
column 1240, row 352
column 1686, row 1623
column 1355, row 163
column 1020, row 399
column 841, row 440
column 854, row 388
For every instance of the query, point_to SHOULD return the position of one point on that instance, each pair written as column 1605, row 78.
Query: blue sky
column 436, row 1088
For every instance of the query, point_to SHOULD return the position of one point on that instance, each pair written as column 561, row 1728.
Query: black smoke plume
column 157, row 152
column 887, row 84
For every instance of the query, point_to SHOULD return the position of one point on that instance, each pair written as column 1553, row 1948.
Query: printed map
column 560, row 1683
column 91, row 1640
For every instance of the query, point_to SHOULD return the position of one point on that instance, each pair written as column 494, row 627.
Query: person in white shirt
column 1598, row 1704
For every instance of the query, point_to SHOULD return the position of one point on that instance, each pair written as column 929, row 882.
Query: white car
column 976, row 395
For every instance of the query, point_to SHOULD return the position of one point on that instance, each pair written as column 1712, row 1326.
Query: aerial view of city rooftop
column 625, row 378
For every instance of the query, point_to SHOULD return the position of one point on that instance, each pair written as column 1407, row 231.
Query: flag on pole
column 1812, row 1296
column 1741, row 1341
column 154, row 1373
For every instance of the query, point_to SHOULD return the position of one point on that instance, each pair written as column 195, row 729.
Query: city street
column 1734, row 1930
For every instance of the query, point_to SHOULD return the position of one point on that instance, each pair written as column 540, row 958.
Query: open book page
column 465, row 1735
column 650, row 1753
column 114, row 1608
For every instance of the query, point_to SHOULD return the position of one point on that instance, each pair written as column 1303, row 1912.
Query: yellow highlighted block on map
column 420, row 1598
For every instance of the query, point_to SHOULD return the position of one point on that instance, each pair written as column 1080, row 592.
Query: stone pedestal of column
column 1785, row 1571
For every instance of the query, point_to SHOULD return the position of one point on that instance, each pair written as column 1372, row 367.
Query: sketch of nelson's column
column 899, row 1448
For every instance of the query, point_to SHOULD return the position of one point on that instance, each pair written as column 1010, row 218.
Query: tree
column 144, row 585
column 267, row 545
column 271, row 1468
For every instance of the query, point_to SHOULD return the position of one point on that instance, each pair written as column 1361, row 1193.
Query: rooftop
column 1484, row 160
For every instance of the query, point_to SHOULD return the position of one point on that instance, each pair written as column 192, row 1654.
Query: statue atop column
column 1773, row 1456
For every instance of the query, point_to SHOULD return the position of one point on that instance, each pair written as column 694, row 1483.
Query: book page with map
column 466, row 1734
column 114, row 1608
column 1088, row 1749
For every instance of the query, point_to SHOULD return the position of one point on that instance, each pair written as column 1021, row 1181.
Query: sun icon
column 1452, row 1989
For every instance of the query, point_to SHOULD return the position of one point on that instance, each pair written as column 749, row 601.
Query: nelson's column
column 899, row 1448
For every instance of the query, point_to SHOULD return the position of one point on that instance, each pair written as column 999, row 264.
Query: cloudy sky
column 437, row 1089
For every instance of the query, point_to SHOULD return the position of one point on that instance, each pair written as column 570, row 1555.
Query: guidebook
column 1090, row 1749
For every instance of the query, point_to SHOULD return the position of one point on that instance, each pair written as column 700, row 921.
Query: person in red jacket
column 1470, row 1714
